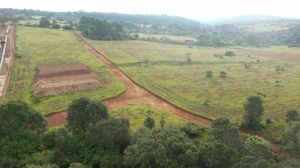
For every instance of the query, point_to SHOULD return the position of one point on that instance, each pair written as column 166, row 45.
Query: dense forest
column 92, row 138
column 101, row 30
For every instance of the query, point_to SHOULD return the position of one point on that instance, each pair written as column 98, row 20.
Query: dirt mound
column 54, row 80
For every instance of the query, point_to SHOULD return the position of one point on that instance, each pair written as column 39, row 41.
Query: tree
column 168, row 147
column 292, row 115
column 214, row 155
column 225, row 132
column 44, row 22
column 109, row 134
column 84, row 113
column 255, row 162
column 149, row 122
column 253, row 112
column 16, row 116
column 193, row 130
column 101, row 29
column 258, row 147
column 291, row 139
column 19, row 145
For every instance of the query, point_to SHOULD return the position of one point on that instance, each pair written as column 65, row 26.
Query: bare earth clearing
column 137, row 94
column 54, row 80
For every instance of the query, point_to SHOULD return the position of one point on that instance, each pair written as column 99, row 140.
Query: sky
column 194, row 9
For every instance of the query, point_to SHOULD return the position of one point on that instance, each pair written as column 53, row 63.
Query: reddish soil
column 54, row 80
column 136, row 94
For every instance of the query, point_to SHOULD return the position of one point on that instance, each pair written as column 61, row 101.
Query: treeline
column 92, row 138
column 101, row 30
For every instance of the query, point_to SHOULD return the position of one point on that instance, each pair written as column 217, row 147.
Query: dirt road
column 8, row 62
column 136, row 94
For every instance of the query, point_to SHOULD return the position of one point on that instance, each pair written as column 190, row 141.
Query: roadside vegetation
column 36, row 46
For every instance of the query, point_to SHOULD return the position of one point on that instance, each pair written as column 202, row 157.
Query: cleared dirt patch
column 54, row 80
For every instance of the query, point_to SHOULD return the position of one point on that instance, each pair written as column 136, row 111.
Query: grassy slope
column 37, row 46
column 136, row 114
column 186, row 85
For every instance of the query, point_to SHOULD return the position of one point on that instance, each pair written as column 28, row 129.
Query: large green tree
column 291, row 139
column 109, row 134
column 44, row 22
column 168, row 147
column 253, row 113
column 17, row 115
column 225, row 132
column 84, row 113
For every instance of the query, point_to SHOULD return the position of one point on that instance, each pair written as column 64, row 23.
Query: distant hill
column 248, row 19
column 129, row 18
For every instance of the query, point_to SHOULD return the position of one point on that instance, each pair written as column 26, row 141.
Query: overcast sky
column 195, row 9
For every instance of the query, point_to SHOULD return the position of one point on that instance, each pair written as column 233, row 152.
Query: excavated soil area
column 59, row 79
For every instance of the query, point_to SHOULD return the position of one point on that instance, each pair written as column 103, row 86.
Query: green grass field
column 136, row 114
column 36, row 46
column 162, row 69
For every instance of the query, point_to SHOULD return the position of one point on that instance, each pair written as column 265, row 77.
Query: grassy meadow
column 36, row 46
column 136, row 114
column 162, row 69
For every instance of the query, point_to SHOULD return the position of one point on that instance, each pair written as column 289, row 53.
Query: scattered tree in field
column 279, row 68
column 253, row 112
column 290, row 140
column 229, row 53
column 209, row 74
column 84, row 113
column 149, row 122
column 44, row 22
column 162, row 122
column 292, row 115
column 223, row 74
column 247, row 66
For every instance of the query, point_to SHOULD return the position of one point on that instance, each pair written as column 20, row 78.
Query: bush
column 209, row 74
column 229, row 54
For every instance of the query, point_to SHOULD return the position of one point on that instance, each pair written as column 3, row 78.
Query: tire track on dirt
column 137, row 94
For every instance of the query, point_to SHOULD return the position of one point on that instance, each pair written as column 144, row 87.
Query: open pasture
column 45, row 47
column 273, row 73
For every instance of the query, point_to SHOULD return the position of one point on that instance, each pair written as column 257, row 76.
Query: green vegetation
column 36, row 46
column 253, row 113
column 109, row 143
column 136, row 114
column 101, row 30
column 186, row 85
column 44, row 22
column 83, row 112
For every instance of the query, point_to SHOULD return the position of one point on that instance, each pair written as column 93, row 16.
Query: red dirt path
column 137, row 94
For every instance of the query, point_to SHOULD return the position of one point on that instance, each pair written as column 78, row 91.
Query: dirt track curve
column 136, row 94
